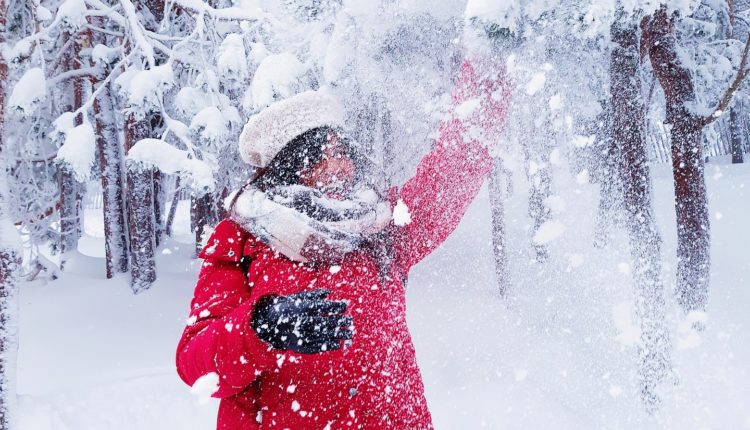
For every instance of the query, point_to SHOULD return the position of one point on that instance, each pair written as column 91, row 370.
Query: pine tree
column 688, row 169
column 10, row 260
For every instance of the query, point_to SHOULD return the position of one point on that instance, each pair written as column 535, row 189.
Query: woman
column 300, row 304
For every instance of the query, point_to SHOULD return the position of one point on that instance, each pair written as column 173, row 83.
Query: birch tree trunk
column 628, row 133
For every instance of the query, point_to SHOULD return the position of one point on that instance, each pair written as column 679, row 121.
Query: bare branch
column 742, row 73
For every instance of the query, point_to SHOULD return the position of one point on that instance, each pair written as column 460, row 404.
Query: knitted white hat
column 267, row 132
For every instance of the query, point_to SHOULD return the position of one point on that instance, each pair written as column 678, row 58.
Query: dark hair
column 300, row 154
column 303, row 152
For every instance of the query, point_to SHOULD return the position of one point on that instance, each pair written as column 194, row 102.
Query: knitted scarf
column 307, row 226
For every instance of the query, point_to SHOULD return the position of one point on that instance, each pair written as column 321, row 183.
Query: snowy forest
column 598, row 280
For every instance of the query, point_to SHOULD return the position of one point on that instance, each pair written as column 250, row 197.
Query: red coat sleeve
column 218, row 337
column 449, row 177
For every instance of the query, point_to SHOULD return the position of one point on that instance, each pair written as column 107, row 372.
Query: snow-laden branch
column 137, row 31
column 90, row 102
column 101, row 9
column 158, row 154
column 179, row 129
column 108, row 11
column 229, row 13
column 742, row 73
column 75, row 73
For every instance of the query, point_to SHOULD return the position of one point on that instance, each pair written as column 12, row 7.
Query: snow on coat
column 374, row 383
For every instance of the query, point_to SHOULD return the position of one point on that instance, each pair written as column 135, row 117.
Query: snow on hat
column 267, row 132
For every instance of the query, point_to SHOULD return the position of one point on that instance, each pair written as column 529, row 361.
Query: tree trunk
column 607, row 174
column 70, row 189
column 9, row 264
column 140, row 204
column 540, row 180
column 173, row 208
column 111, row 170
column 9, row 267
column 159, row 201
column 645, row 243
column 111, row 159
column 735, row 131
column 203, row 217
column 497, row 204
column 735, row 117
column 691, row 205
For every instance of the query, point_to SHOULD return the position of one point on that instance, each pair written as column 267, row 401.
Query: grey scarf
column 306, row 226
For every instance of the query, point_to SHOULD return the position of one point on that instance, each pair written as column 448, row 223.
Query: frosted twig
column 101, row 86
column 109, row 12
column 137, row 32
column 104, row 30
column 229, row 13
column 177, row 128
column 86, row 71
column 742, row 73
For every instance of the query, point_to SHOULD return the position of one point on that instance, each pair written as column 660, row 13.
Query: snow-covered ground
column 558, row 352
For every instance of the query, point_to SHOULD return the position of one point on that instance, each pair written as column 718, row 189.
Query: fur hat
column 267, row 132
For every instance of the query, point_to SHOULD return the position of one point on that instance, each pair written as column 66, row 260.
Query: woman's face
column 335, row 173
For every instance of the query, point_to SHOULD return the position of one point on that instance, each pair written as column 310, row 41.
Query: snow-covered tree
column 689, row 109
column 10, row 259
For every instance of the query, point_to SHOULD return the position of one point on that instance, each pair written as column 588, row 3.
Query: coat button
column 230, row 253
column 352, row 392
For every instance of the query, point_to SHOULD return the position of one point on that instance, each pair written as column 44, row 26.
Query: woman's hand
column 304, row 322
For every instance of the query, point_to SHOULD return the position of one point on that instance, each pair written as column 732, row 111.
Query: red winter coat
column 375, row 383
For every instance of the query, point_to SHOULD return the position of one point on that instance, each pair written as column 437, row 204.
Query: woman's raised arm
column 450, row 176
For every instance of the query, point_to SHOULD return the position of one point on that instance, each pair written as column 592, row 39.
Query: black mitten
column 304, row 322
